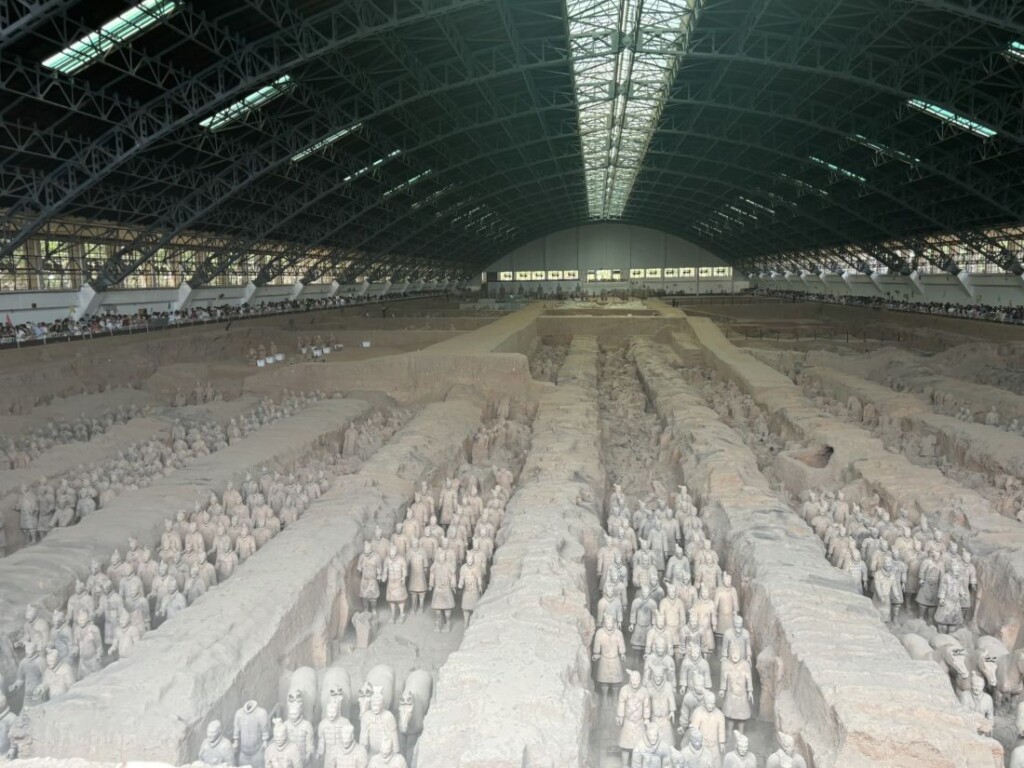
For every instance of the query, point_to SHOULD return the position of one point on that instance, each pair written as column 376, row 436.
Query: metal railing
column 146, row 324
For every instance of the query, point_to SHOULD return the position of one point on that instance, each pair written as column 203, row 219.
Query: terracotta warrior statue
column 350, row 753
column 387, row 757
column 786, row 752
column 442, row 582
column 741, row 757
column 632, row 711
column 251, row 734
column 471, row 584
column 693, row 753
column 419, row 573
column 58, row 677
column 396, row 572
column 282, row 753
column 710, row 721
column 376, row 725
column 641, row 618
column 609, row 651
column 652, row 750
column 663, row 706
column 29, row 677
column 300, row 730
column 736, row 689
column 216, row 748
column 331, row 732
column 371, row 574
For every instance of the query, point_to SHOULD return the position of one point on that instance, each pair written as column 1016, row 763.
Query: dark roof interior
column 480, row 93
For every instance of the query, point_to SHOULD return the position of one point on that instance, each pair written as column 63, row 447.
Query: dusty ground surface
column 515, row 687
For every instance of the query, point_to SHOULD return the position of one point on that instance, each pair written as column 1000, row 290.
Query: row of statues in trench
column 48, row 504
column 436, row 557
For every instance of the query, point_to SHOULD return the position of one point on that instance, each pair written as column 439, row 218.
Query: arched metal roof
column 420, row 137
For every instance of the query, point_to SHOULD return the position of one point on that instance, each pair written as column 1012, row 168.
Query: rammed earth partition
column 518, row 691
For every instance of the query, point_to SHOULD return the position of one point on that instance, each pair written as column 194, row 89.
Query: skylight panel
column 325, row 142
column 804, row 185
column 375, row 164
column 755, row 204
column 406, row 184
column 249, row 104
column 837, row 170
column 781, row 200
column 740, row 211
column 703, row 225
column 116, row 32
column 625, row 54
column 433, row 196
column 881, row 149
column 728, row 218
column 952, row 118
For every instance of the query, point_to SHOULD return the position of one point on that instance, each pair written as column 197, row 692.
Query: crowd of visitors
column 947, row 309
column 109, row 323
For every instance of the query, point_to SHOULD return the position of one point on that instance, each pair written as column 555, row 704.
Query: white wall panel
column 605, row 245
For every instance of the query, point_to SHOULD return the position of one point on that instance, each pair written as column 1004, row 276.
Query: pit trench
column 639, row 458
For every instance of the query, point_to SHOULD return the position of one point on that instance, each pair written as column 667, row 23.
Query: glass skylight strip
column 836, row 169
column 782, row 200
column 1016, row 50
column 740, row 211
column 119, row 30
column 407, row 184
column 375, row 164
column 952, row 118
column 324, row 143
column 249, row 104
column 803, row 185
column 432, row 197
column 764, row 208
column 625, row 54
column 881, row 149
column 705, row 225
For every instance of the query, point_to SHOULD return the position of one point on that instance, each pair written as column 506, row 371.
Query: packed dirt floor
column 587, row 534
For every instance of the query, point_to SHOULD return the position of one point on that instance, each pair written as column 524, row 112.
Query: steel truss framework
column 481, row 93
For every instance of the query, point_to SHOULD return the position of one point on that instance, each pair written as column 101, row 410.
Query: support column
column 88, row 301
column 184, row 298
column 248, row 293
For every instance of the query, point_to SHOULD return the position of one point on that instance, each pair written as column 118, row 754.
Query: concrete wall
column 57, row 305
column 48, row 306
column 606, row 246
column 965, row 288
